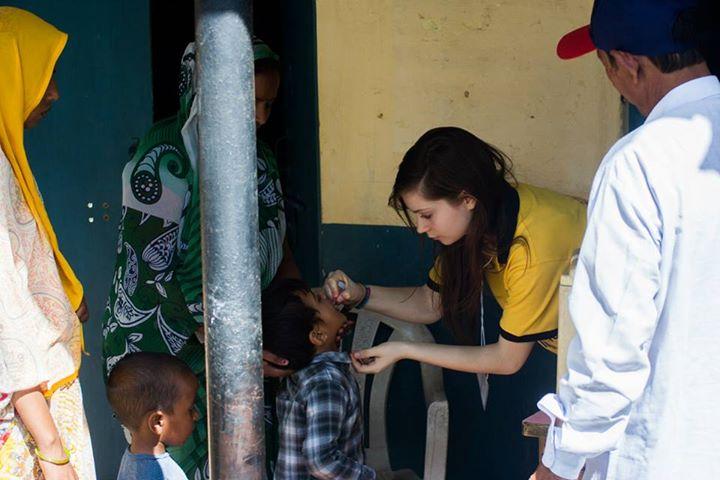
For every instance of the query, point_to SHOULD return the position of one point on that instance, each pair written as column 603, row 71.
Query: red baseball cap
column 576, row 43
column 640, row 27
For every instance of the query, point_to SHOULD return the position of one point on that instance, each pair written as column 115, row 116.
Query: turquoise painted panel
column 78, row 153
column 381, row 255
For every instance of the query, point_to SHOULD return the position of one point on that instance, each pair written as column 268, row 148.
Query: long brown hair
column 449, row 163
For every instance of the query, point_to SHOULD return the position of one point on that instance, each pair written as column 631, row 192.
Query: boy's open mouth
column 346, row 328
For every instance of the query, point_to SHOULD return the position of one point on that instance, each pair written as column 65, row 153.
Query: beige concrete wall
column 391, row 69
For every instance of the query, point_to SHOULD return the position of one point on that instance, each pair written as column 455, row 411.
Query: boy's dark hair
column 287, row 322
column 143, row 382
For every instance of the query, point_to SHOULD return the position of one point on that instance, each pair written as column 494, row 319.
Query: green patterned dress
column 155, row 302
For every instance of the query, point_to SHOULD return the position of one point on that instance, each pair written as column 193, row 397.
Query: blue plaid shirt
column 320, row 422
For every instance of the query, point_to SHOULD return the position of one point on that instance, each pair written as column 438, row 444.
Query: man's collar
column 688, row 92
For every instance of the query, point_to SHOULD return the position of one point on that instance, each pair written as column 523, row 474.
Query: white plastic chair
column 436, row 440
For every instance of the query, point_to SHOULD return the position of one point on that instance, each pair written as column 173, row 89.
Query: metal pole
column 228, row 201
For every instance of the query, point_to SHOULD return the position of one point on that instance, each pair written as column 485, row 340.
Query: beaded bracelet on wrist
column 365, row 299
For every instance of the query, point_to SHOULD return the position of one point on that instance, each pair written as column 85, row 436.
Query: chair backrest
column 432, row 383
column 566, row 329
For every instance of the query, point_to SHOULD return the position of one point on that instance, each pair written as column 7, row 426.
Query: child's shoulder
column 149, row 467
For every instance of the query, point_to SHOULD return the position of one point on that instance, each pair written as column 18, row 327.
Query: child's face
column 267, row 85
column 179, row 424
column 330, row 320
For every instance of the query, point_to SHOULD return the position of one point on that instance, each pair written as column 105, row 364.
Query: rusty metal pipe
column 229, row 211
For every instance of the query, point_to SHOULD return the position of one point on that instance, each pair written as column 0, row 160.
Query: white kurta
column 641, row 397
column 39, row 331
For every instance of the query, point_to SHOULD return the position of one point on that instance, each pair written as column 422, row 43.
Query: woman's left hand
column 82, row 312
column 377, row 359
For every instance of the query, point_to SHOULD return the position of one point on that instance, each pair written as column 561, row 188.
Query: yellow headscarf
column 29, row 49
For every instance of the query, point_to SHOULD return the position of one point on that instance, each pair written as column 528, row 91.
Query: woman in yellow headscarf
column 43, row 430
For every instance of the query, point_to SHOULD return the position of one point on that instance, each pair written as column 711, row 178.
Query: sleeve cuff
column 560, row 462
column 563, row 464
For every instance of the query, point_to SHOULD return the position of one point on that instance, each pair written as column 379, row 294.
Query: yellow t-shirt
column 550, row 228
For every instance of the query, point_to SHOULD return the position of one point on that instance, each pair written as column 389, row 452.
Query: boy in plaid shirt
column 318, row 407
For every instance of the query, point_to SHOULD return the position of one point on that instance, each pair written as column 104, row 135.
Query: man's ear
column 156, row 422
column 318, row 336
column 628, row 63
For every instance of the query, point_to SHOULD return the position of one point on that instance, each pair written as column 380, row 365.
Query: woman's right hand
column 57, row 472
column 352, row 294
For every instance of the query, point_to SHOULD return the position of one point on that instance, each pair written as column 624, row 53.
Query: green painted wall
column 78, row 153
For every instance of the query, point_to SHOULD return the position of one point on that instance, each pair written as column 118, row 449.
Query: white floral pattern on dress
column 159, row 254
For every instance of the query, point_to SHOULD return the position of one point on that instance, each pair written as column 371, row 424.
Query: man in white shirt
column 642, row 393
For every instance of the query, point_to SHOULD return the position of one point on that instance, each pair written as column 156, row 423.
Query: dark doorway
column 292, row 132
